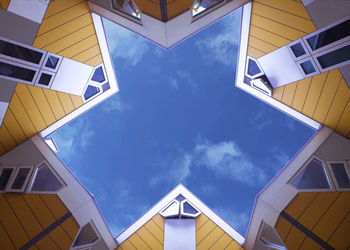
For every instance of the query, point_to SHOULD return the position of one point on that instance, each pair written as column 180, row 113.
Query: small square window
column 5, row 177
column 298, row 50
column 45, row 79
column 341, row 175
column 308, row 67
column 52, row 62
column 20, row 179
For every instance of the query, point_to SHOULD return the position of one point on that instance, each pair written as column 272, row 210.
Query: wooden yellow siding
column 24, row 216
column 177, row 7
column 323, row 97
column 325, row 214
column 4, row 4
column 150, row 7
column 149, row 236
column 274, row 24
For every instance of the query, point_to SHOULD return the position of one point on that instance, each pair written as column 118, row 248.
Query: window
column 298, row 50
column 313, row 176
column 98, row 75
column 180, row 207
column 262, row 84
column 5, row 177
column 128, row 7
column 200, row 6
column 335, row 57
column 308, row 67
column 14, row 179
column 330, row 35
column 91, row 91
column 270, row 237
column 16, row 72
column 45, row 180
column 52, row 62
column 171, row 210
column 97, row 84
column 341, row 174
column 87, row 236
column 45, row 79
column 253, row 68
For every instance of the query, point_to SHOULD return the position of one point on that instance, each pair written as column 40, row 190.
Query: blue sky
column 178, row 118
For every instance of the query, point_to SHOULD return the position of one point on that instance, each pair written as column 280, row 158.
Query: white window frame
column 327, row 173
column 25, row 46
column 60, row 58
column 104, row 74
column 95, row 84
column 187, row 214
column 269, row 245
column 33, row 175
column 23, row 66
column 257, row 63
column 86, row 246
column 38, row 78
column 317, row 71
column 13, row 177
column 347, row 169
column 307, row 53
column 162, row 212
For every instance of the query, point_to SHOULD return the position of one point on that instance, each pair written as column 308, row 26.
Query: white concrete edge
column 79, row 201
column 243, row 46
column 98, row 99
column 180, row 189
column 277, row 194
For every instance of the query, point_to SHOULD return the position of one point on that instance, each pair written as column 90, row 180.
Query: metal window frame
column 60, row 58
column 187, row 214
column 301, row 41
column 23, row 66
column 38, row 78
column 14, row 174
column 317, row 70
column 332, row 175
column 247, row 65
column 34, row 173
column 327, row 173
column 25, row 46
column 89, row 245
column 162, row 212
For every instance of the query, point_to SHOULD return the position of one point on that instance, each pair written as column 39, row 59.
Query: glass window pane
column 105, row 87
column 5, row 176
column 16, row 72
column 270, row 237
column 52, row 62
column 188, row 209
column 307, row 67
column 22, row 53
column 298, row 50
column 128, row 7
column 98, row 75
column 86, row 236
column 312, row 177
column 91, row 91
column 45, row 180
column 334, row 57
column 253, row 68
column 180, row 197
column 341, row 175
column 201, row 5
column 329, row 36
column 20, row 178
column 45, row 79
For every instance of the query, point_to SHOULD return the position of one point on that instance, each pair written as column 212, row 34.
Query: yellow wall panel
column 87, row 54
column 211, row 238
column 6, row 139
column 332, row 82
column 5, row 242
column 288, row 93
column 13, row 127
column 233, row 246
column 343, row 126
column 59, row 236
column 309, row 244
column 296, row 207
column 155, row 230
column 317, row 208
column 30, row 106
column 23, row 213
column 340, row 239
column 137, row 241
column 42, row 104
column 2, row 149
column 202, row 232
column 276, row 27
column 159, row 220
column 63, row 17
column 294, row 239
column 278, row 93
column 149, row 239
column 255, row 53
column 40, row 210
column 222, row 242
column 151, row 8
column 11, row 223
column 55, row 103
column 58, row 6
column 127, row 245
column 338, row 105
column 22, row 116
column 300, row 93
column 313, row 95
column 333, row 217
column 282, row 227
column 201, row 220
column 268, row 36
column 285, row 18
column 76, row 100
column 66, row 102
column 46, row 243
column 4, row 4
column 96, row 60
column 54, row 203
column 289, row 6
column 175, row 8
column 261, row 45
column 79, row 47
column 71, row 227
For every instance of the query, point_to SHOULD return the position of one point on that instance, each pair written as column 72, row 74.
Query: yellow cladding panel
column 5, row 242
column 255, row 53
column 46, row 243
column 71, row 227
column 288, row 93
column 289, row 6
column 261, row 45
column 340, row 239
column 127, row 246
column 14, row 127
column 211, row 238
column 295, row 238
column 59, row 6
column 202, row 232
column 222, row 242
column 278, row 93
column 151, row 8
column 4, row 4
column 149, row 239
column 66, row 102
column 6, row 138
column 266, row 35
column 201, row 220
column 297, row 206
column 308, row 244
column 177, row 7
column 138, row 242
column 301, row 93
column 343, row 126
column 233, row 246
column 159, row 220
column 61, row 238
column 155, row 230
column 55, row 103
column 54, row 203
column 282, row 227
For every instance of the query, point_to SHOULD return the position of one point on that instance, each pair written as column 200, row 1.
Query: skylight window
column 341, row 174
column 45, row 180
column 97, row 84
column 14, row 179
column 87, row 236
column 313, row 176
column 180, row 207
column 98, row 75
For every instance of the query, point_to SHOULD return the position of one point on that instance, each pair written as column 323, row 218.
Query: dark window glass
column 253, row 68
column 312, row 177
column 45, row 180
column 5, row 176
column 98, row 75
column 188, row 209
column 105, row 87
column 334, row 57
column 16, row 72
column 298, row 50
column 307, row 67
column 329, row 36
column 22, row 53
column 20, row 178
column 52, row 62
column 45, row 79
column 91, row 91
column 341, row 175
column 180, row 197
column 86, row 235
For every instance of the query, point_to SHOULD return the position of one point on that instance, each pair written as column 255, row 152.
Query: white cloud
column 239, row 221
column 125, row 45
column 115, row 103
